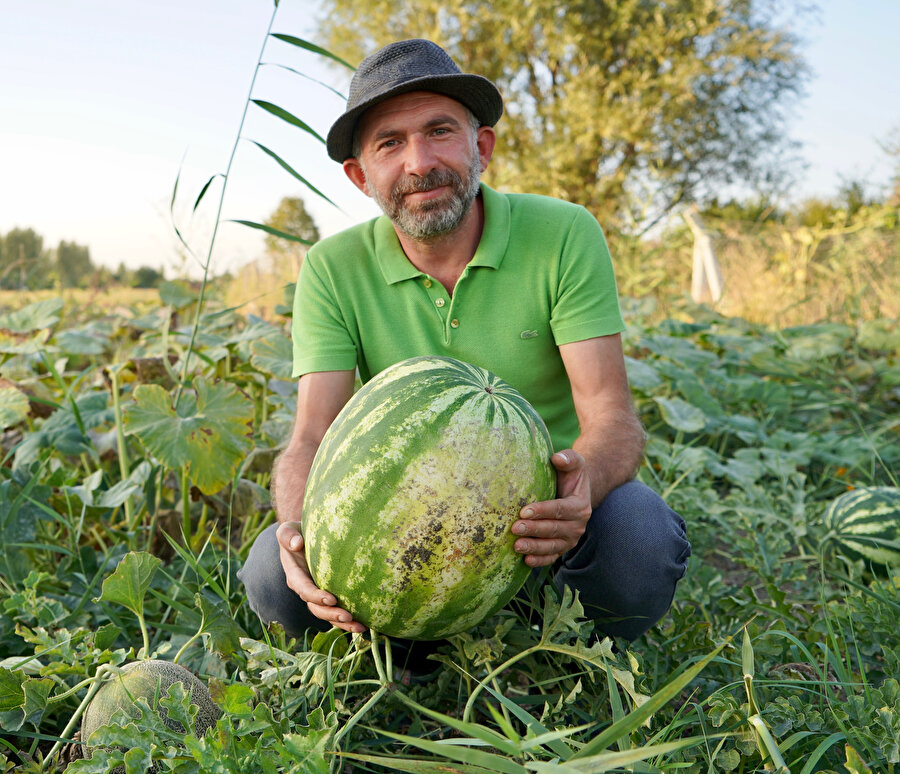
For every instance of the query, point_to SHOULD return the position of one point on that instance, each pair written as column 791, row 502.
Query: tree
column 73, row 264
column 610, row 104
column 23, row 261
column 290, row 217
column 147, row 277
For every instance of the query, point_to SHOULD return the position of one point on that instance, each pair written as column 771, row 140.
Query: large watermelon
column 864, row 523
column 412, row 493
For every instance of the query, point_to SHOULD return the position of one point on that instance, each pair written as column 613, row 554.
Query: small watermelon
column 412, row 493
column 864, row 523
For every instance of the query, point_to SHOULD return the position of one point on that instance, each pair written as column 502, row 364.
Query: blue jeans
column 625, row 567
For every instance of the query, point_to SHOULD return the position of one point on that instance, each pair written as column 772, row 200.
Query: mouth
column 431, row 193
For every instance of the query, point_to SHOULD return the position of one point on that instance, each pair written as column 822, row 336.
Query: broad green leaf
column 816, row 347
column 61, row 431
column 642, row 375
column 22, row 699
column 85, row 341
column 13, row 406
column 234, row 699
column 273, row 355
column 219, row 624
column 681, row 415
column 117, row 494
column 14, row 345
column 208, row 434
column 880, row 335
column 284, row 115
column 34, row 317
column 85, row 490
column 129, row 582
column 12, row 694
column 176, row 294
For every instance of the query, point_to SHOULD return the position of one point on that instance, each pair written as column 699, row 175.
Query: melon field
column 137, row 449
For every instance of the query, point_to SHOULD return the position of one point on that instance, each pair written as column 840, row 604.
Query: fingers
column 321, row 604
column 547, row 529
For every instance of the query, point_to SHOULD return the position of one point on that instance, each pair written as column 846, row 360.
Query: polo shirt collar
column 395, row 266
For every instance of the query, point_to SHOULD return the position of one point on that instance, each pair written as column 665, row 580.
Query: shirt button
column 454, row 323
column 427, row 283
column 439, row 302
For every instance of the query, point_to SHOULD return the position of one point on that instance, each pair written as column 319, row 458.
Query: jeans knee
column 267, row 591
column 629, row 562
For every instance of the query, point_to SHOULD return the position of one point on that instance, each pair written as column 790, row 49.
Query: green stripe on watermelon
column 865, row 524
column 412, row 492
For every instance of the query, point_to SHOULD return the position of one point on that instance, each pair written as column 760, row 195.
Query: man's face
column 421, row 160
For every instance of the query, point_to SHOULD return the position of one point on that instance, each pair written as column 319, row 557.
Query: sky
column 105, row 103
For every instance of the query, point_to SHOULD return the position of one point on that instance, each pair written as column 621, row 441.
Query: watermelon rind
column 412, row 493
column 864, row 523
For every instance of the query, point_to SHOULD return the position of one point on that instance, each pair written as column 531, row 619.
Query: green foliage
column 626, row 108
column 73, row 264
column 753, row 432
column 24, row 263
column 290, row 217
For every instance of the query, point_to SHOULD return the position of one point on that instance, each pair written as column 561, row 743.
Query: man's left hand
column 546, row 530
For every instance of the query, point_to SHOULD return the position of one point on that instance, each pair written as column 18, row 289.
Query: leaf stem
column 98, row 679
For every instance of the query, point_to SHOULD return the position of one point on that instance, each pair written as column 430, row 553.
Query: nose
column 419, row 159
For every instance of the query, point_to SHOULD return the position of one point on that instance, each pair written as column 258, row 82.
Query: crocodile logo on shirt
column 529, row 334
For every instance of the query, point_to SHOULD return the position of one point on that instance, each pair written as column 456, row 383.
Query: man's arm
column 606, row 454
column 320, row 397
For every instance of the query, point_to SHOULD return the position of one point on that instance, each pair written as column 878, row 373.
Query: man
column 520, row 285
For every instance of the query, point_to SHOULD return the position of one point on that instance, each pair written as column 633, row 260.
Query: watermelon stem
column 386, row 686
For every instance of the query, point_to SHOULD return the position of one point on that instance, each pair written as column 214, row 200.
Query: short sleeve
column 587, row 302
column 322, row 341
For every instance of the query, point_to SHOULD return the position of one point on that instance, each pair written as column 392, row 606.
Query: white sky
column 100, row 100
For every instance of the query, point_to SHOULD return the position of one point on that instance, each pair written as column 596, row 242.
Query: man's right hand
column 321, row 604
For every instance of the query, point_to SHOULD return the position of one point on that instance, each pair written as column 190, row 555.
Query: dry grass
column 258, row 289
column 107, row 298
column 778, row 275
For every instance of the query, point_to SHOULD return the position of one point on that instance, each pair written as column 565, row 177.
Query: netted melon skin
column 149, row 680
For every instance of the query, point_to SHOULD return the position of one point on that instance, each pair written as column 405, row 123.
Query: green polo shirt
column 541, row 277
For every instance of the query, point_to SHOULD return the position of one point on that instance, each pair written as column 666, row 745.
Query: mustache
column 434, row 179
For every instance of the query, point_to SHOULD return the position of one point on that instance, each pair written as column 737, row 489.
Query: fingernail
column 295, row 542
column 527, row 513
column 519, row 528
column 565, row 458
column 343, row 618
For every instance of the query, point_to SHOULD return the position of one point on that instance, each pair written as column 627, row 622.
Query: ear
column 485, row 142
column 353, row 169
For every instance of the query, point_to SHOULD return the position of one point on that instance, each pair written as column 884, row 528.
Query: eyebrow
column 445, row 120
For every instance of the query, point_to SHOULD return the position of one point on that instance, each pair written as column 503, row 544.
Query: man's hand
column 548, row 529
column 321, row 603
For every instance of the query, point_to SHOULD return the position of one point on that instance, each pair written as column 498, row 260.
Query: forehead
column 407, row 111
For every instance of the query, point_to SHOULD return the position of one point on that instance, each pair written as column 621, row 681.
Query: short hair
column 356, row 146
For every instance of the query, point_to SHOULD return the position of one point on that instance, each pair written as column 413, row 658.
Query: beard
column 434, row 218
